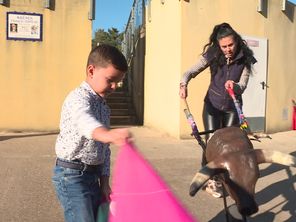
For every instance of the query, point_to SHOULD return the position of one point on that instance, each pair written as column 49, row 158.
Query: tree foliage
column 112, row 37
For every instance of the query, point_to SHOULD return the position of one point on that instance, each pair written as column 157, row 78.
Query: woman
column 230, row 61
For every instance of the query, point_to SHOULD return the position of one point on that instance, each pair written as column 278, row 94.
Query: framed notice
column 24, row 26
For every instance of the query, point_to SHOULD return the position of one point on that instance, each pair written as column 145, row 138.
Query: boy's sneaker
column 214, row 187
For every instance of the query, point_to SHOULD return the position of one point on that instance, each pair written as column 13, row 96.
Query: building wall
column 189, row 30
column 281, row 32
column 35, row 76
column 162, row 66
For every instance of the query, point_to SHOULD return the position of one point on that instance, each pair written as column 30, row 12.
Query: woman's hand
column 183, row 91
column 229, row 84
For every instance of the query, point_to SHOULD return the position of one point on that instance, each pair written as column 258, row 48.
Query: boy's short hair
column 104, row 54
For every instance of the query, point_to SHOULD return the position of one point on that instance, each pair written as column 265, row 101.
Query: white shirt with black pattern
column 83, row 111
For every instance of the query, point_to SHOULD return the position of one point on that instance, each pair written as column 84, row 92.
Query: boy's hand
column 118, row 137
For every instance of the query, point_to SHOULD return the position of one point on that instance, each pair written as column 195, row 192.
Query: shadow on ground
column 7, row 137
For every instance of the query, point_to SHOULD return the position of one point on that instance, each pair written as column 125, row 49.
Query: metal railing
column 133, row 47
column 134, row 26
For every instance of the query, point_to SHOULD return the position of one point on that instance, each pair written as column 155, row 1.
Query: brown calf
column 230, row 153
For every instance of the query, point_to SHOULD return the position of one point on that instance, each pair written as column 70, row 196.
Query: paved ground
column 27, row 193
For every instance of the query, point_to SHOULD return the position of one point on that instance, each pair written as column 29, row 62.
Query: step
column 120, row 93
column 122, row 112
column 121, row 89
column 123, row 120
column 119, row 105
column 119, row 100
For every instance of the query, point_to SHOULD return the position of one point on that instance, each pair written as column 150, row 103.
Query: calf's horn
column 271, row 156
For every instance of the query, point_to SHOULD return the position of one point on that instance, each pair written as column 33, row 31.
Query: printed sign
column 24, row 26
column 252, row 43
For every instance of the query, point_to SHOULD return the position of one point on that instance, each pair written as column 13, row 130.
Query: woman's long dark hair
column 220, row 31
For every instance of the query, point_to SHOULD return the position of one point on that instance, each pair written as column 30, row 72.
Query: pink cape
column 139, row 194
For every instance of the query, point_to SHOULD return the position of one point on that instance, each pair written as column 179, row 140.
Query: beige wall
column 281, row 32
column 162, row 63
column 36, row 76
column 188, row 31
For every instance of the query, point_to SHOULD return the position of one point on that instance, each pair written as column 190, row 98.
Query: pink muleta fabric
column 139, row 194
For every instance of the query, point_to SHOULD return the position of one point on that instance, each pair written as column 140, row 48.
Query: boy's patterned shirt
column 83, row 111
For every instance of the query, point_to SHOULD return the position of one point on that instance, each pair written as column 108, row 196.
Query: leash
column 242, row 119
column 194, row 128
column 225, row 204
column 244, row 126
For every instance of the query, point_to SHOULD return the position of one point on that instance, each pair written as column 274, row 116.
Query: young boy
column 82, row 170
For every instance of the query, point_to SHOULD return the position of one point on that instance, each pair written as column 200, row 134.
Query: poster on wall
column 24, row 26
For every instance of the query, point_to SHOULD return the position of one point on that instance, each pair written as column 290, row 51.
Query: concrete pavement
column 28, row 195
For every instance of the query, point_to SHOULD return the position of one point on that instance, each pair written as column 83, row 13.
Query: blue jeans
column 78, row 192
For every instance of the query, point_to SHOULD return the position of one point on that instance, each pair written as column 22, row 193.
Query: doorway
column 254, row 97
